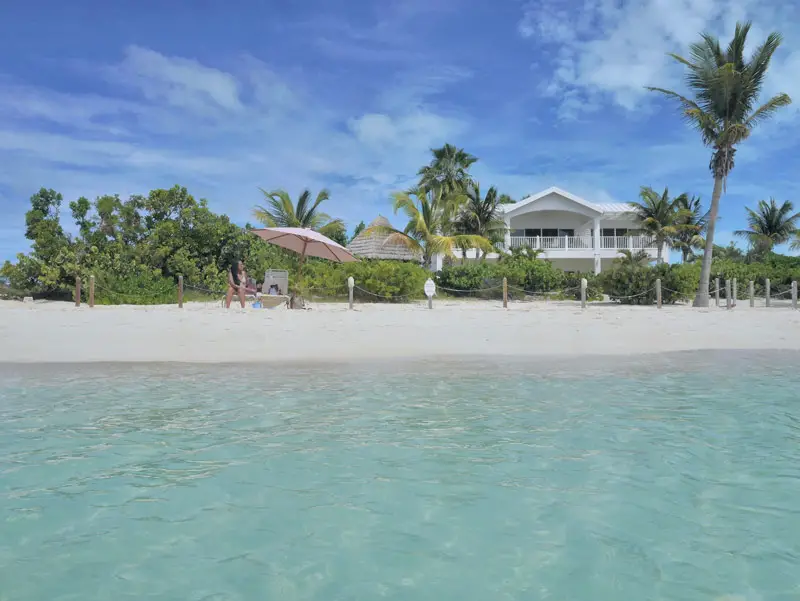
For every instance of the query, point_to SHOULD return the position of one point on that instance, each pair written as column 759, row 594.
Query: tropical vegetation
column 725, row 89
column 663, row 218
column 769, row 225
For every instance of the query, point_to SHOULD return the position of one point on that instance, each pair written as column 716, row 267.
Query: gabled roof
column 553, row 190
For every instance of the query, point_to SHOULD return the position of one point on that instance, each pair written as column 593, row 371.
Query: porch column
column 596, row 245
column 665, row 253
column 507, row 233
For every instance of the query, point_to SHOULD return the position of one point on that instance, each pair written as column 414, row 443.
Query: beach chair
column 280, row 279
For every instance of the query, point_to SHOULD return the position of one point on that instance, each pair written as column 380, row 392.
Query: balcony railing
column 555, row 243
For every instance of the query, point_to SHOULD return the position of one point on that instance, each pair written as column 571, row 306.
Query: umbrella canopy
column 306, row 243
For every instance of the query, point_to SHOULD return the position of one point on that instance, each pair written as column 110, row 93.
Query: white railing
column 584, row 242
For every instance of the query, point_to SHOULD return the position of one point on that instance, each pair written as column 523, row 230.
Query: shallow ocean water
column 671, row 477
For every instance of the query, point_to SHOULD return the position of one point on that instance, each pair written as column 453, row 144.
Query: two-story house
column 573, row 233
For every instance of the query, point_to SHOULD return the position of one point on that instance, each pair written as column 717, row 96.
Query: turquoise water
column 675, row 478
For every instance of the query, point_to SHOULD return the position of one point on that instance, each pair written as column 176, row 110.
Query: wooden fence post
column 751, row 291
column 658, row 292
column 767, row 291
column 505, row 293
column 78, row 291
column 180, row 292
column 350, row 285
column 735, row 291
column 794, row 295
column 728, row 304
column 716, row 292
column 91, row 291
column 584, row 284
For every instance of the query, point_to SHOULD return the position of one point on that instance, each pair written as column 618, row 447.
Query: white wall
column 556, row 202
column 553, row 220
column 621, row 222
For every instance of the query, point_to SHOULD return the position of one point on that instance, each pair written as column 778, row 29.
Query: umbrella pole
column 292, row 301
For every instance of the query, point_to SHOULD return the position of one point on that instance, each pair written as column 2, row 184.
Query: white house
column 573, row 233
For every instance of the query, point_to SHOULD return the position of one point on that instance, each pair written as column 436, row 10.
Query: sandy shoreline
column 204, row 333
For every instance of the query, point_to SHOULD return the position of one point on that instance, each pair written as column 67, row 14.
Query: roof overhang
column 529, row 204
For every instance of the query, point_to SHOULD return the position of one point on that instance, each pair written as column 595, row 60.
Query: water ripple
column 668, row 481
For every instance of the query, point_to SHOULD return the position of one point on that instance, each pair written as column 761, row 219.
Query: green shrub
column 375, row 280
column 635, row 284
column 572, row 286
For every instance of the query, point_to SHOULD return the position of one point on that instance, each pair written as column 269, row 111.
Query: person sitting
column 274, row 290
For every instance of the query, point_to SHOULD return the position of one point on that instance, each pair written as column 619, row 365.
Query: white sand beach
column 60, row 332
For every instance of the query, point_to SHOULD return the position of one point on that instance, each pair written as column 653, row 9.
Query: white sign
column 430, row 288
column 351, row 282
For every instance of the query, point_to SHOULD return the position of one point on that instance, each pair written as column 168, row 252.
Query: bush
column 635, row 284
column 382, row 280
column 572, row 286
column 525, row 274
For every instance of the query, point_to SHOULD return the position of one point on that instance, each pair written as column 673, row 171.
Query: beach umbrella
column 306, row 243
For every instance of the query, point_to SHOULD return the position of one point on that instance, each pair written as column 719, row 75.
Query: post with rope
column 505, row 293
column 728, row 294
column 735, row 291
column 91, row 291
column 794, row 295
column 78, row 291
column 767, row 290
column 350, row 285
column 180, row 292
column 658, row 292
column 716, row 292
column 430, row 290
column 584, row 284
column 751, row 291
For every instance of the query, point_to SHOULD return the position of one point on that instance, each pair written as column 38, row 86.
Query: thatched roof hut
column 374, row 246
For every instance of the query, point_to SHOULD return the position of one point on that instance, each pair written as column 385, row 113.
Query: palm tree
column 629, row 258
column 795, row 244
column 660, row 217
column 726, row 88
column 448, row 171
column 690, row 239
column 430, row 225
column 769, row 225
column 280, row 211
column 481, row 216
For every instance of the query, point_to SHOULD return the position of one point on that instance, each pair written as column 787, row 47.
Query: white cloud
column 220, row 132
column 607, row 50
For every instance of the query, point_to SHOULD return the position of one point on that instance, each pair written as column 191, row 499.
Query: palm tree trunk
column 701, row 300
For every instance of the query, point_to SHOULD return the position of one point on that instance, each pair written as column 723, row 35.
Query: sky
column 223, row 98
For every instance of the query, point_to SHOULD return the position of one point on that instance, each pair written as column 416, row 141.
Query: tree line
column 144, row 242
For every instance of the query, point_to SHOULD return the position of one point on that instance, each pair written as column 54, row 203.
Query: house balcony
column 583, row 246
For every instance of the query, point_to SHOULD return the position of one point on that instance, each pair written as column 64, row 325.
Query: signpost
column 430, row 290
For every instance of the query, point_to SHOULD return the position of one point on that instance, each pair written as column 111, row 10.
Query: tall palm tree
column 660, row 217
column 280, row 211
column 691, row 239
column 430, row 225
column 481, row 215
column 726, row 88
column 769, row 225
column 448, row 171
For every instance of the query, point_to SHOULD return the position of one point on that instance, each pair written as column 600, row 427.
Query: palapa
column 374, row 246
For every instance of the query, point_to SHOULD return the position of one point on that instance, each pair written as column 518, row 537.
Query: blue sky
column 122, row 97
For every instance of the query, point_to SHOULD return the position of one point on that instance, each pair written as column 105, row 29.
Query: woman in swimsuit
column 237, row 283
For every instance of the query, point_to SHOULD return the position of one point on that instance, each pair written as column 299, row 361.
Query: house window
column 620, row 231
column 566, row 232
column 532, row 232
column 608, row 232
column 549, row 233
column 517, row 233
